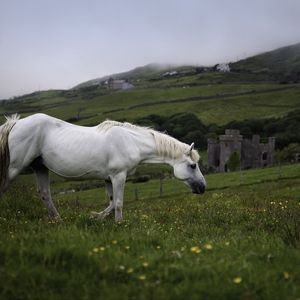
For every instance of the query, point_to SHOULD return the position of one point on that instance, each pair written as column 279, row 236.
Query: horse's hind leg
column 110, row 208
column 42, row 178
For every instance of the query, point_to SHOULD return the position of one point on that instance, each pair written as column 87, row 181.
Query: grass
column 171, row 187
column 223, row 110
column 98, row 104
column 240, row 240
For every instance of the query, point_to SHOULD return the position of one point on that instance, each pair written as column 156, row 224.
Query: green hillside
column 146, row 71
column 280, row 64
column 220, row 103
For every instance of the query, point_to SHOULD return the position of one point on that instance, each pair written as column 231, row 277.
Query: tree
column 234, row 162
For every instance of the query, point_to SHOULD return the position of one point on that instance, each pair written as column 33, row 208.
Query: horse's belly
column 68, row 169
column 72, row 170
column 75, row 162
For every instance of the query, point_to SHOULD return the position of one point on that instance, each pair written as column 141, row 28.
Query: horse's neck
column 149, row 152
column 155, row 159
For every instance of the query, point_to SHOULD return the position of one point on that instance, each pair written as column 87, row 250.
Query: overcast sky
column 56, row 44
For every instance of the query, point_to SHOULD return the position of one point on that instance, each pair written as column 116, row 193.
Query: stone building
column 251, row 152
column 118, row 84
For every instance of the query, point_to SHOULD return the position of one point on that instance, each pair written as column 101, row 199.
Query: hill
column 212, row 103
column 280, row 64
column 146, row 71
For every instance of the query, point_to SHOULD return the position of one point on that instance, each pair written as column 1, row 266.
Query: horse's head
column 187, row 170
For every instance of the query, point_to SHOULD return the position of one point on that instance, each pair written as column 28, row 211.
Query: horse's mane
column 108, row 124
column 166, row 145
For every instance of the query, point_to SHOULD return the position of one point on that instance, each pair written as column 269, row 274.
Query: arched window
column 265, row 155
column 226, row 168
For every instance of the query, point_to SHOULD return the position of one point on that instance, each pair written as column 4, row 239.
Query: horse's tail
column 4, row 149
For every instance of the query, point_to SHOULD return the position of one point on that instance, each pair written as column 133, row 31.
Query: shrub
column 141, row 178
column 234, row 162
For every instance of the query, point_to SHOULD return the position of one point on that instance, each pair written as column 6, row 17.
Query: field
column 240, row 240
column 212, row 103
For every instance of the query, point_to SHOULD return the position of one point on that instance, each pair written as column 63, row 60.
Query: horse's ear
column 191, row 148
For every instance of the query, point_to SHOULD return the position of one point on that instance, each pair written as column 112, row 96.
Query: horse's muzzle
column 197, row 187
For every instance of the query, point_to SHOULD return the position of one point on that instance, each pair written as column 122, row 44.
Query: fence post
column 161, row 186
column 279, row 169
column 241, row 176
column 77, row 203
column 136, row 194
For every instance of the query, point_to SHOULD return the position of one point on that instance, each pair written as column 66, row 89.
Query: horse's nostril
column 202, row 188
column 198, row 188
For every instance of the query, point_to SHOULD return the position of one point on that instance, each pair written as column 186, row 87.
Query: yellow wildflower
column 237, row 279
column 286, row 275
column 208, row 246
column 130, row 270
column 195, row 249
column 145, row 264
column 142, row 277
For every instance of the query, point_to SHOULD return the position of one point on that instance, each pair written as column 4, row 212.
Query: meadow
column 212, row 103
column 239, row 240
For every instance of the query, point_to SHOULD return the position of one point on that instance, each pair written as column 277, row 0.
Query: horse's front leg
column 110, row 208
column 118, row 183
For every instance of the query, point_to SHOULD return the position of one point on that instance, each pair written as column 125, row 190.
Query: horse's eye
column 193, row 166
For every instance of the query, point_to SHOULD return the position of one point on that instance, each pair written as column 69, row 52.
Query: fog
column 53, row 44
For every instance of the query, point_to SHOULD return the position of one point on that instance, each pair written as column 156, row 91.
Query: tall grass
column 241, row 242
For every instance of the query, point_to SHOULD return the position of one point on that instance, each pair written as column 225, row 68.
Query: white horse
column 111, row 151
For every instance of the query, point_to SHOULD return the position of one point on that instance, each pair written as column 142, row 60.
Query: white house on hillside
column 223, row 68
column 118, row 84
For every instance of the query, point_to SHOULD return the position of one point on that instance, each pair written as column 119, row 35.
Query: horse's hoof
column 55, row 219
column 94, row 214
column 98, row 216
column 119, row 220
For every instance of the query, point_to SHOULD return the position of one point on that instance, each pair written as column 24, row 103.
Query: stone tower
column 213, row 150
column 230, row 142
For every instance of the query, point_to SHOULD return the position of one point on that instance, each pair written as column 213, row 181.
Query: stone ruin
column 251, row 152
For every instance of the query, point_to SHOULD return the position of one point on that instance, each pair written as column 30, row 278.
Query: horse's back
column 35, row 123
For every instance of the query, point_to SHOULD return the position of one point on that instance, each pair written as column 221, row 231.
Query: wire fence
column 168, row 187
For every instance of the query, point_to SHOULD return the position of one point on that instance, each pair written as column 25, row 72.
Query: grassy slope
column 280, row 61
column 210, row 104
column 223, row 110
column 180, row 246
